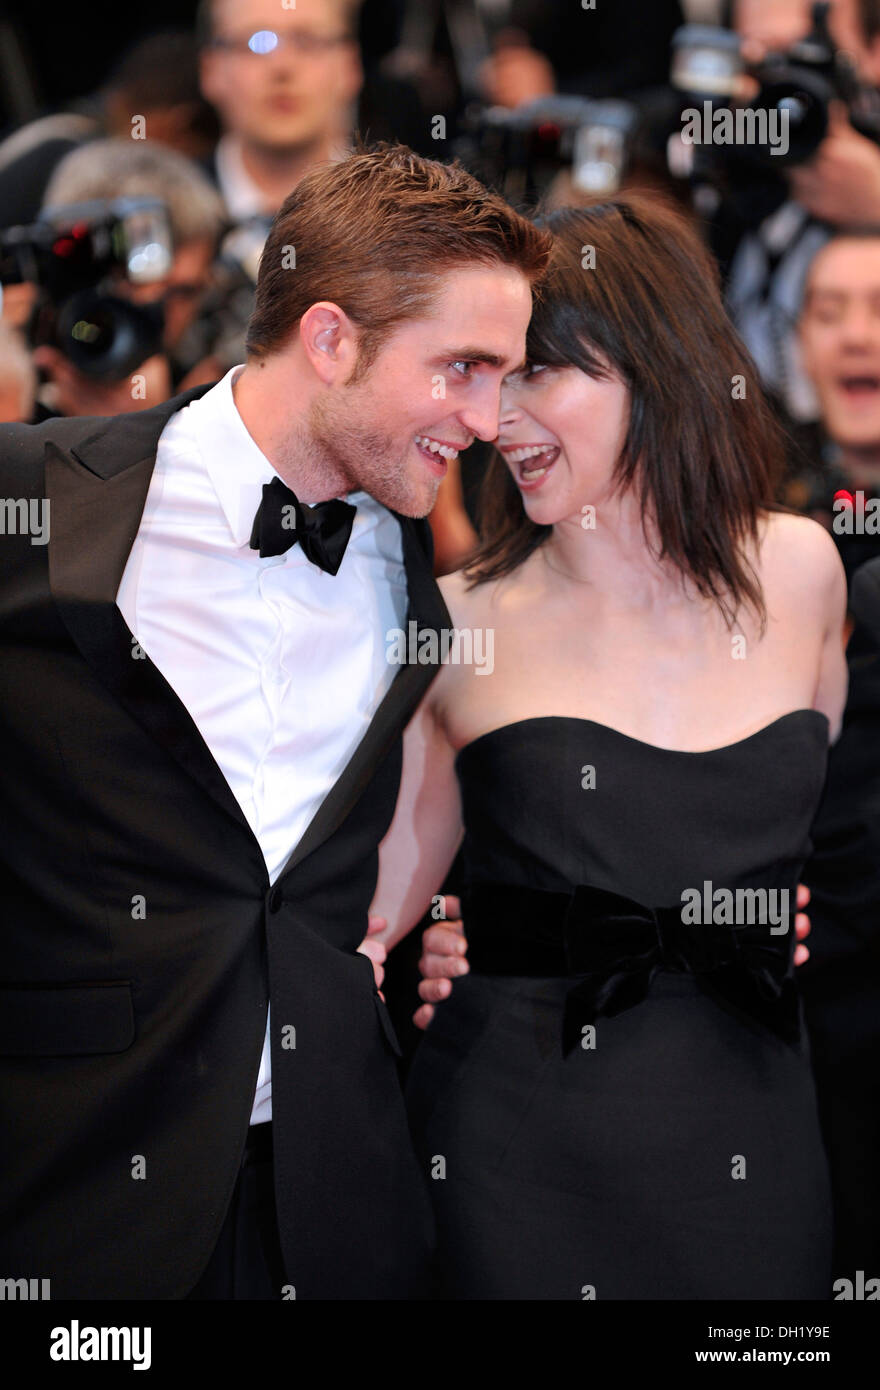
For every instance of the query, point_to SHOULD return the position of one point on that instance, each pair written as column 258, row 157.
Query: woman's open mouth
column 530, row 463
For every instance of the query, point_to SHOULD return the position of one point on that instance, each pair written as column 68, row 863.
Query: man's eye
column 463, row 368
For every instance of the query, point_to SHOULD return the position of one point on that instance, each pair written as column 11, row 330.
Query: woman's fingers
column 422, row 1017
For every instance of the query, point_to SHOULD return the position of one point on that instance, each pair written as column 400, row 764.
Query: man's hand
column 841, row 183
column 375, row 949
column 444, row 950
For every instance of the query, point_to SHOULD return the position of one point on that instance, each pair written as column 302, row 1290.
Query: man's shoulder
column 23, row 446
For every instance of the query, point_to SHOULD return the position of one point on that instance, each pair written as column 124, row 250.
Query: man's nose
column 480, row 417
column 860, row 326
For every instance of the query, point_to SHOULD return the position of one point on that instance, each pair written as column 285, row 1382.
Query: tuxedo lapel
column 96, row 490
column 427, row 609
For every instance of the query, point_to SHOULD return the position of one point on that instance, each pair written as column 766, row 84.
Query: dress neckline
column 655, row 747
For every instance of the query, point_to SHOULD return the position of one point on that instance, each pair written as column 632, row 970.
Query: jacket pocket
column 383, row 1011
column 75, row 1020
column 387, row 1026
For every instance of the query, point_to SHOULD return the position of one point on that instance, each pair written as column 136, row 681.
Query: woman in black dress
column 616, row 1102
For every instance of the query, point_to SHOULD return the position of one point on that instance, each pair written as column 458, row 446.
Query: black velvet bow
column 615, row 947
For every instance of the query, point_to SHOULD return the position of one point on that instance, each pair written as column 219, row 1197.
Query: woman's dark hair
column 703, row 449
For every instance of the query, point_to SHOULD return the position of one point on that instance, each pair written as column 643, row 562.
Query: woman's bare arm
column 423, row 838
column 833, row 680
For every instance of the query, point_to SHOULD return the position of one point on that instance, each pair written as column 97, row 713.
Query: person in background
column 285, row 85
column 604, row 51
column 18, row 378
column 509, row 52
column 839, row 340
column 151, row 93
column 839, row 335
column 765, row 265
column 106, row 169
column 158, row 78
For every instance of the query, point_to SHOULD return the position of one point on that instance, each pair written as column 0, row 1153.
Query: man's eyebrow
column 491, row 359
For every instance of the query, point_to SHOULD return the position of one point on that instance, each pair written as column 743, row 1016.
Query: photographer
column 18, row 380
column 838, row 186
column 102, row 170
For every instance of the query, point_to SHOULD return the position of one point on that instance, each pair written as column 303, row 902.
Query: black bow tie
column 282, row 520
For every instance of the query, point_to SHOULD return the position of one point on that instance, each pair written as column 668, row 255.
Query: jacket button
column 275, row 900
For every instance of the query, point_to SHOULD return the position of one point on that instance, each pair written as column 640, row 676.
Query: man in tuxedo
column 201, row 754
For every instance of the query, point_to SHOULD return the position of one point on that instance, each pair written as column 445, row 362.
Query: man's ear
column 51, row 362
column 801, row 343
column 872, row 61
column 211, row 83
column 329, row 340
column 354, row 76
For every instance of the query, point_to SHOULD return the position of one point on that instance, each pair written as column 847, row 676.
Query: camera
column 794, row 91
column 79, row 255
column 520, row 151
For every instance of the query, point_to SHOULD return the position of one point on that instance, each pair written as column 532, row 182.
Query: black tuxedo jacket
column 141, row 940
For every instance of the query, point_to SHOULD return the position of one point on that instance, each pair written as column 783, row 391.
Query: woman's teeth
column 530, row 451
column 444, row 450
column 533, row 460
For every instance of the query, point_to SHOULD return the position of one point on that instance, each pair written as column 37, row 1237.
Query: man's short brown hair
column 372, row 233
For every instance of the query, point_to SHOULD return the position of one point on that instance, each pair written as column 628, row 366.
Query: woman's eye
column 530, row 370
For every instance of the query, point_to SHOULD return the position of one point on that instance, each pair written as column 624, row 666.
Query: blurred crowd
column 132, row 221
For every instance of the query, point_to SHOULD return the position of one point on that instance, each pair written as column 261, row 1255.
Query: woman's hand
column 444, row 958
column 801, row 924
column 444, row 952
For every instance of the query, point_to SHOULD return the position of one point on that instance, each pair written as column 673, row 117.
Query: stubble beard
column 341, row 445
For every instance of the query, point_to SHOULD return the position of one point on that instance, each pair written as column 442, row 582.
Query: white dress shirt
column 280, row 665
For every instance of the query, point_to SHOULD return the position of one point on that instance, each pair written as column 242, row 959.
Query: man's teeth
column 443, row 450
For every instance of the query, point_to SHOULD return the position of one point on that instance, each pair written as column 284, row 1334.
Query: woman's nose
column 510, row 410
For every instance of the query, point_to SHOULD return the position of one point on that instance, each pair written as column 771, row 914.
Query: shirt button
column 275, row 900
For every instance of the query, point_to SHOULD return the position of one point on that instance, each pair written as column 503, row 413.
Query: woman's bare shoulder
column 798, row 555
column 464, row 599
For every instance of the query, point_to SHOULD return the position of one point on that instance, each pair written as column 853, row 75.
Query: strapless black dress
column 617, row 1102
